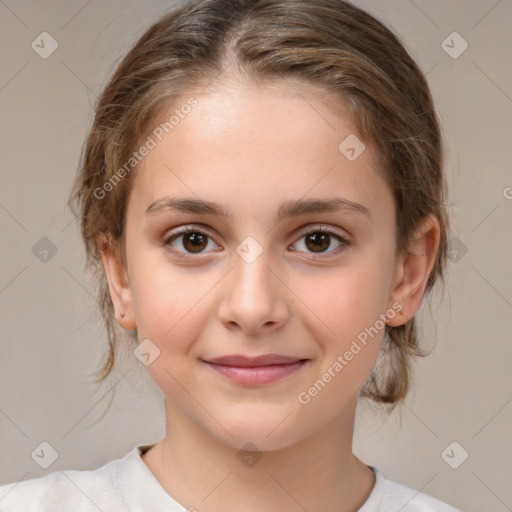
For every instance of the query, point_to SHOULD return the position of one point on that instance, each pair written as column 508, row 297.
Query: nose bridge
column 255, row 297
column 252, row 272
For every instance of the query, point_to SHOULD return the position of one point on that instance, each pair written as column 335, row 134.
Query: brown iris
column 198, row 242
column 320, row 241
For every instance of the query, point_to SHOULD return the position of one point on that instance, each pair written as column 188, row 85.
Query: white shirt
column 128, row 485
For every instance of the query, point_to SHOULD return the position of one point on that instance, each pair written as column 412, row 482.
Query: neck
column 318, row 473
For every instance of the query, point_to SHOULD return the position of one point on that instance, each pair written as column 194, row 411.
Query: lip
column 247, row 362
column 256, row 371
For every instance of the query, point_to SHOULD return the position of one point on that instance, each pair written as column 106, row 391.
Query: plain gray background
column 52, row 341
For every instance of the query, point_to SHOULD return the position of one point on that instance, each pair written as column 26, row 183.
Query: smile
column 256, row 371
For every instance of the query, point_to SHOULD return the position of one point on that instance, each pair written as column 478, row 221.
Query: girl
column 261, row 196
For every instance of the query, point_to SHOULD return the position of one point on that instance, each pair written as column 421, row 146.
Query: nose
column 255, row 297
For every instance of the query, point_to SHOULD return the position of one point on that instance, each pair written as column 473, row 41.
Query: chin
column 260, row 432
column 258, row 441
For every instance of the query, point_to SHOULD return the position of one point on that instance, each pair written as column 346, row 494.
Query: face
column 253, row 282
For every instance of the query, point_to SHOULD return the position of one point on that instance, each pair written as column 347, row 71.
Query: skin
column 249, row 148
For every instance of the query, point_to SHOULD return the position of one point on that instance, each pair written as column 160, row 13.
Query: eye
column 193, row 240
column 318, row 239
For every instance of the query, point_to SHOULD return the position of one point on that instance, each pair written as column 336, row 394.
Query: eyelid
column 302, row 231
column 326, row 227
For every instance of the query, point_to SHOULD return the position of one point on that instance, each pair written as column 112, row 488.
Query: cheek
column 167, row 306
column 171, row 314
column 341, row 302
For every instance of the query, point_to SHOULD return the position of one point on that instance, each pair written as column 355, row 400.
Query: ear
column 118, row 283
column 413, row 270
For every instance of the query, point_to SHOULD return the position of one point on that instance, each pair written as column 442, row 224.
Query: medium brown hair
column 331, row 43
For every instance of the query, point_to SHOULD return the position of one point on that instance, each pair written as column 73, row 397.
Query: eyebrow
column 288, row 209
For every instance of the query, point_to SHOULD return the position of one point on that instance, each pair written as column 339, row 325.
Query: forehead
column 274, row 140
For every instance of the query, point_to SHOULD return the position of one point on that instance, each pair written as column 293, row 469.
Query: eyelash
column 324, row 230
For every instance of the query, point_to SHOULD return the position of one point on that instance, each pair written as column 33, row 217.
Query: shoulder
column 77, row 490
column 398, row 497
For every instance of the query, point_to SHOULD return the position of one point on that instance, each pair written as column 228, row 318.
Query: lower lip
column 257, row 375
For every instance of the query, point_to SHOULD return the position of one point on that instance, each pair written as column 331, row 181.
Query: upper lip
column 263, row 360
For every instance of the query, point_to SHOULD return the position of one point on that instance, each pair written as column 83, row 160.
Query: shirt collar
column 141, row 491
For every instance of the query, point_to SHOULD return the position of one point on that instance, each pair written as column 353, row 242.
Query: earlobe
column 413, row 270
column 118, row 283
